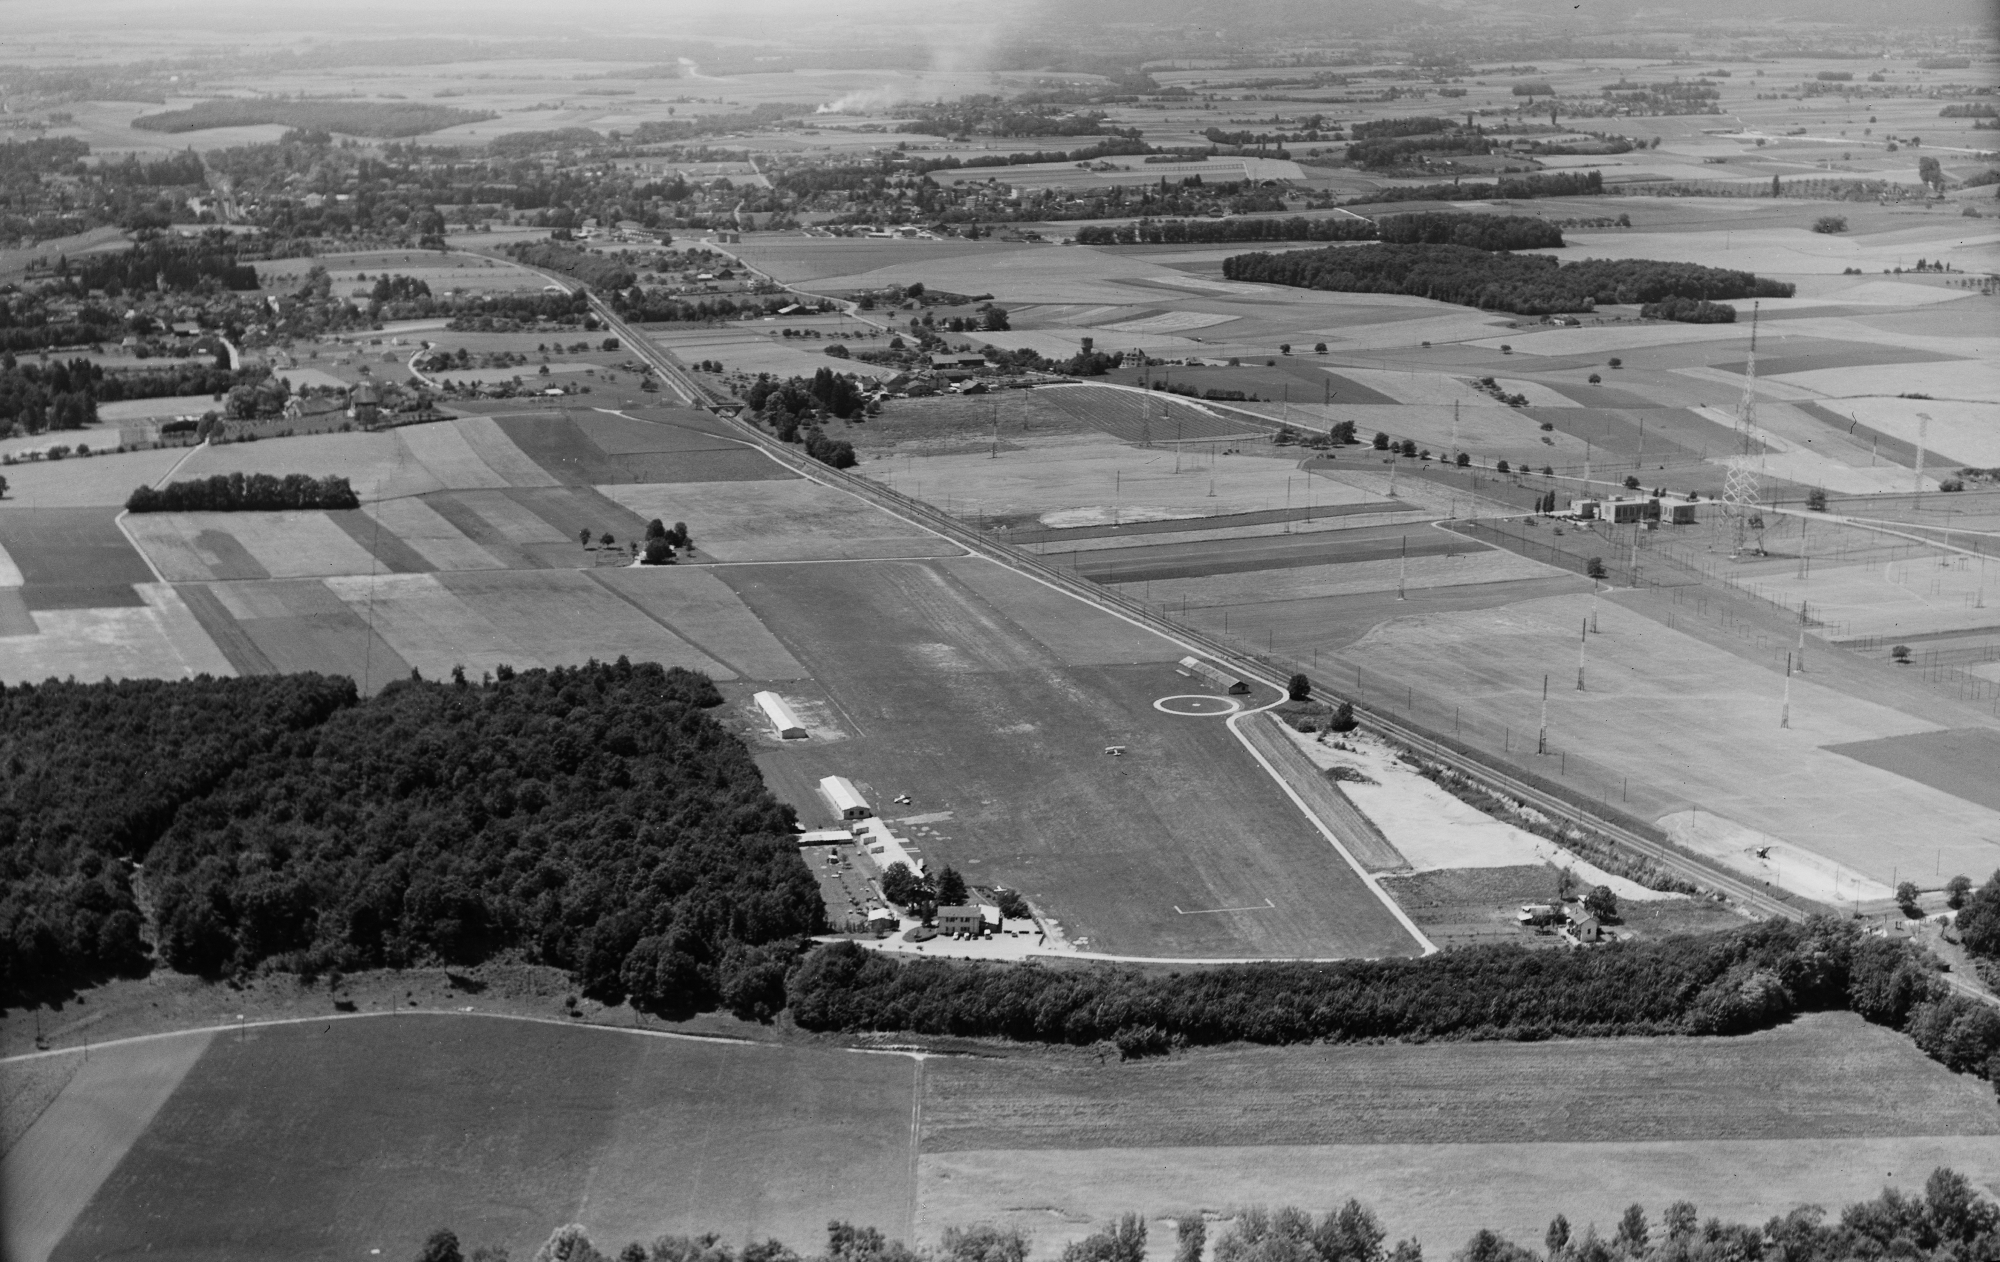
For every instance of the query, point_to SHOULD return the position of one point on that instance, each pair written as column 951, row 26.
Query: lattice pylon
column 1742, row 482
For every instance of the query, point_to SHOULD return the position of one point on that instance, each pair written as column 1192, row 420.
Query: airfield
column 1742, row 704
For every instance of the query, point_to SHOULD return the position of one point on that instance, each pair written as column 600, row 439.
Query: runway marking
column 1213, row 911
column 1201, row 707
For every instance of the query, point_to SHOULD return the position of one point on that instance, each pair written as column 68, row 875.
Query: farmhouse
column 841, row 794
column 957, row 361
column 784, row 721
column 1221, row 678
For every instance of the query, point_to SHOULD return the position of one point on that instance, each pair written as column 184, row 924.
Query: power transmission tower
column 1742, row 489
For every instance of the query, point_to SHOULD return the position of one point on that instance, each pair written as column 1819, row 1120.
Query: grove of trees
column 1527, row 284
column 244, row 492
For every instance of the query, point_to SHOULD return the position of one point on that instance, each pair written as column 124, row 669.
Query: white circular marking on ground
column 1197, row 705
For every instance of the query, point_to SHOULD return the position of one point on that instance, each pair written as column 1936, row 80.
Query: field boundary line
column 325, row 1018
column 159, row 482
column 1234, row 723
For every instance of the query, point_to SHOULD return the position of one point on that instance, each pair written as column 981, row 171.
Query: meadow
column 368, row 1134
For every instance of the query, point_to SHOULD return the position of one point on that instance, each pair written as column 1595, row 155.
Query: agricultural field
column 633, row 1134
column 371, row 1133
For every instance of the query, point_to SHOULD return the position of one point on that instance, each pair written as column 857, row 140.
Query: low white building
column 783, row 719
column 844, row 798
column 885, row 848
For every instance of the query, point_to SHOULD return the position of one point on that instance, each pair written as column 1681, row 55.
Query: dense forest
column 1725, row 983
column 1948, row 1221
column 1526, row 284
column 595, row 819
column 386, row 120
column 243, row 493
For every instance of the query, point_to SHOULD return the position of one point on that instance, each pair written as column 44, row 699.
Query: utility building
column 784, row 721
column 845, row 799
column 1221, row 678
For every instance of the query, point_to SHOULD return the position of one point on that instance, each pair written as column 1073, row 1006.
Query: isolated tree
column 1381, row 441
column 951, row 890
column 1615, row 362
column 1816, row 500
column 442, row 1246
column 1343, row 718
column 1462, row 460
column 1906, row 898
column 983, row 1243
column 1409, row 448
column 1602, row 903
column 1929, row 172
column 1191, row 1232
column 656, row 529
column 1900, row 654
column 1955, row 891
column 1284, row 348
column 3, row 487
column 1632, row 1230
column 1594, row 567
column 606, row 539
column 1596, row 379
column 583, row 536
column 1298, row 688
column 1631, row 482
column 1122, row 1241
column 1488, row 1246
column 569, row 1244
column 1680, row 1220
column 1557, row 1237
column 1319, row 347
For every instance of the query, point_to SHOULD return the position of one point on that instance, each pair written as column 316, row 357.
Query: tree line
column 595, row 819
column 386, row 119
column 1949, row 1221
column 1526, row 284
column 244, row 492
column 1519, row 188
column 1723, row 983
column 176, row 262
column 1464, row 228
